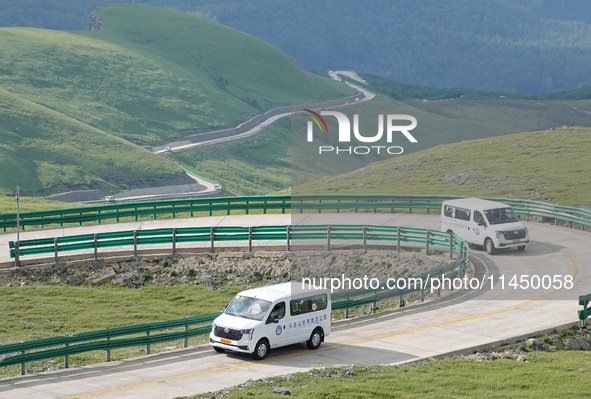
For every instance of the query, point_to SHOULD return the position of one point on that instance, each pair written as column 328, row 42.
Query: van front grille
column 228, row 333
column 514, row 234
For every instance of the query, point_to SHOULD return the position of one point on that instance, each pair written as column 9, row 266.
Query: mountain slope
column 43, row 152
column 148, row 76
column 520, row 46
column 542, row 166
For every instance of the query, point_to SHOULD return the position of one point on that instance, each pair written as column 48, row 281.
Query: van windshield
column 247, row 307
column 501, row 215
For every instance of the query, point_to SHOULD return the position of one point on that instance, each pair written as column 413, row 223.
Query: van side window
column 478, row 218
column 278, row 312
column 307, row 305
column 456, row 213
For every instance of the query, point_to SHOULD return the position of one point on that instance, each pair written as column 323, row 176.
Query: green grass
column 544, row 375
column 46, row 311
column 39, row 312
column 279, row 158
column 26, row 204
column 549, row 166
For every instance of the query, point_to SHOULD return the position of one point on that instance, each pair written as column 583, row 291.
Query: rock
column 574, row 343
column 102, row 277
column 558, row 344
column 585, row 345
column 75, row 280
column 282, row 391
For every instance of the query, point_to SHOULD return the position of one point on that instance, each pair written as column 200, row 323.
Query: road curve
column 257, row 123
column 463, row 320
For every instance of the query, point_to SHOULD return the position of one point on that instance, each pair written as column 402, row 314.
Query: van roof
column 475, row 203
column 284, row 290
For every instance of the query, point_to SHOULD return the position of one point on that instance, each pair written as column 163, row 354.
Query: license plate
column 516, row 241
column 225, row 341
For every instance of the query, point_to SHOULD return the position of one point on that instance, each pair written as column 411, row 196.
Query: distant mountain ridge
column 525, row 46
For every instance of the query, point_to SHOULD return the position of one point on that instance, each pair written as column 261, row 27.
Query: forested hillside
column 524, row 46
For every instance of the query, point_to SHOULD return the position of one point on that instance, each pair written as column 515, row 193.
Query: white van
column 259, row 319
column 490, row 224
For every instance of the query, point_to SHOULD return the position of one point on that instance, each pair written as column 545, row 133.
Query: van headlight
column 213, row 326
column 500, row 234
column 248, row 332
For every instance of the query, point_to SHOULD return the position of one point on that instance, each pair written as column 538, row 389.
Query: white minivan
column 490, row 224
column 260, row 319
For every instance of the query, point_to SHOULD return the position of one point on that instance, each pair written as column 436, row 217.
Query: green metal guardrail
column 102, row 340
column 586, row 311
column 290, row 234
column 66, row 345
column 273, row 203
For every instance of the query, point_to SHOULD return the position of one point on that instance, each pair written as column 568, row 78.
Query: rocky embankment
column 220, row 269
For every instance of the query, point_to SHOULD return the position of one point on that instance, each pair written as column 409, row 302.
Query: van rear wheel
column 315, row 339
column 489, row 246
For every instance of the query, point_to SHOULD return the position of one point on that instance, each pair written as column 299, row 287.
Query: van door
column 275, row 325
column 479, row 227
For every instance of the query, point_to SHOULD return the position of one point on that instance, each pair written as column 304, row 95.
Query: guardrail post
column 401, row 301
column 427, row 242
column 66, row 356
column 422, row 295
column 249, row 239
column 17, row 261
column 186, row 340
column 173, row 243
column 328, row 238
column 108, row 349
column 23, row 368
column 347, row 310
column 584, row 314
column 211, row 239
column 288, row 239
column 95, row 246
column 451, row 245
column 398, row 239
column 364, row 237
column 135, row 244
column 55, row 251
column 148, row 349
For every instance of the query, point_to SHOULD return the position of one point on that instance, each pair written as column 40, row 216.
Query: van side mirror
column 480, row 223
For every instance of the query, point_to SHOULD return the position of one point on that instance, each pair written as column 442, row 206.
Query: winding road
column 259, row 122
column 461, row 321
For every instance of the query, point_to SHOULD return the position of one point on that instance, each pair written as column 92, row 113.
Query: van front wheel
column 261, row 350
column 521, row 248
column 315, row 339
column 489, row 246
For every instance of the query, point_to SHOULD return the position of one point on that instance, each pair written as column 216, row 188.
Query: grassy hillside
column 76, row 106
column 44, row 151
column 519, row 46
column 549, row 166
column 457, row 377
column 279, row 158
